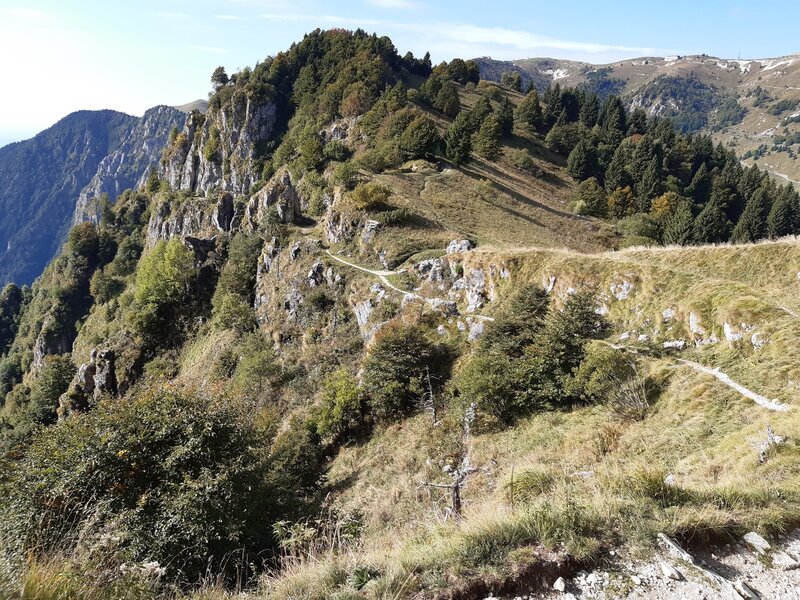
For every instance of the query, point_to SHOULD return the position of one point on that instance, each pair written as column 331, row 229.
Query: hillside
column 748, row 105
column 53, row 179
column 368, row 332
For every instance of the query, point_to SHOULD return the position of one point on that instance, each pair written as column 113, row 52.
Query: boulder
column 457, row 246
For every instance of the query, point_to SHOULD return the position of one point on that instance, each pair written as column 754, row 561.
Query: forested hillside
column 367, row 332
column 61, row 175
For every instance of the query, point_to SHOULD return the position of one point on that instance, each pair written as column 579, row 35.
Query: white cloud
column 228, row 17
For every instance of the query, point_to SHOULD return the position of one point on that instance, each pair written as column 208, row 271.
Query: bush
column 419, row 138
column 368, row 196
column 339, row 411
column 176, row 477
column 336, row 150
column 523, row 160
column 345, row 175
column 233, row 299
column 84, row 241
column 395, row 376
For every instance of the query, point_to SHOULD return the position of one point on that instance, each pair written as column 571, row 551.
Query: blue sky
column 63, row 55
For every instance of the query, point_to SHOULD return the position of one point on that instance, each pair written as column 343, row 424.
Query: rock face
column 279, row 192
column 129, row 165
column 52, row 180
column 217, row 150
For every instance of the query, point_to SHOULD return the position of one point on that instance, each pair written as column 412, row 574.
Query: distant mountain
column 49, row 181
column 751, row 105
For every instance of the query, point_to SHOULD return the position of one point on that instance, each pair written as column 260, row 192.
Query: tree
column 784, row 218
column 506, row 114
column 458, row 140
column 679, row 225
column 617, row 175
column 395, row 369
column 590, row 199
column 621, row 203
column 479, row 112
column 447, row 100
column 487, row 140
column 529, row 111
column 419, row 138
column 613, row 121
column 752, row 225
column 219, row 78
column 511, row 80
column 650, row 185
column 590, row 111
column 582, row 161
column 11, row 300
column 711, row 226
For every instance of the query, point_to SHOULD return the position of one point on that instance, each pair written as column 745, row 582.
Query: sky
column 58, row 56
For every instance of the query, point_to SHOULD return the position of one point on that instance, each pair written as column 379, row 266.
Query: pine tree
column 590, row 111
column 613, row 121
column 637, row 122
column 784, row 218
column 487, row 140
column 711, row 226
column 552, row 105
column 617, row 175
column 457, row 140
column 752, row 225
column 506, row 114
column 447, row 100
column 479, row 112
column 700, row 187
column 679, row 225
column 650, row 186
column 582, row 161
column 529, row 112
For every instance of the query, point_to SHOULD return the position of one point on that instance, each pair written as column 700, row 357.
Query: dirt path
column 721, row 376
column 725, row 378
column 382, row 276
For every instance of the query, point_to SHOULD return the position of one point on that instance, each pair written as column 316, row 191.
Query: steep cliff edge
column 218, row 150
column 130, row 163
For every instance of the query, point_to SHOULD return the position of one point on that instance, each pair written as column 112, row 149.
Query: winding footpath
column 721, row 376
column 382, row 276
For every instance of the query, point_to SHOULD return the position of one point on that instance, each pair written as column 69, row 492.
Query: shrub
column 345, row 175
column 396, row 370
column 336, row 150
column 84, row 241
column 104, row 286
column 522, row 159
column 176, row 477
column 233, row 299
column 339, row 411
column 367, row 196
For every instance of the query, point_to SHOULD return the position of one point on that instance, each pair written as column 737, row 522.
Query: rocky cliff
column 129, row 165
column 218, row 150
column 49, row 181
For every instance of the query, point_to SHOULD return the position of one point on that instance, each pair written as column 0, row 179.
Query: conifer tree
column 784, row 218
column 617, row 175
column 637, row 122
column 711, row 226
column 613, row 121
column 590, row 111
column 529, row 111
column 447, row 100
column 506, row 114
column 457, row 140
column 650, row 186
column 590, row 199
column 582, row 161
column 552, row 105
column 700, row 187
column 752, row 225
column 479, row 112
column 679, row 225
column 487, row 140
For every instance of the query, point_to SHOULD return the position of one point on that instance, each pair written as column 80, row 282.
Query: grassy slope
column 702, row 432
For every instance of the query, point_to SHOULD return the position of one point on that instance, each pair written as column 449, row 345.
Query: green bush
column 367, row 196
column 233, row 298
column 177, row 477
column 396, row 369
column 339, row 411
column 336, row 150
